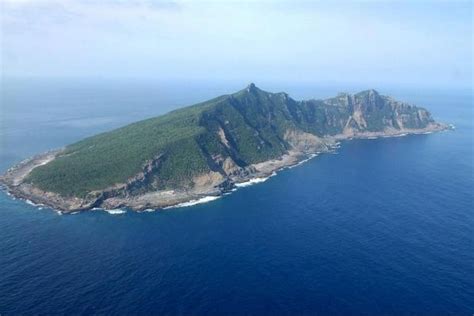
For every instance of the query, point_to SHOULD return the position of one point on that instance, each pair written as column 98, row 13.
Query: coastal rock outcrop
column 206, row 149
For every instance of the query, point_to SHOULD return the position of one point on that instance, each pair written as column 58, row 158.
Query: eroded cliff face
column 302, row 141
column 368, row 111
column 235, row 138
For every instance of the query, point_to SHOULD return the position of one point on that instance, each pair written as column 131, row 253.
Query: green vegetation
column 186, row 142
column 113, row 157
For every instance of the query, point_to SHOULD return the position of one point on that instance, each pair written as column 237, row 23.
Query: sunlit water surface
column 384, row 226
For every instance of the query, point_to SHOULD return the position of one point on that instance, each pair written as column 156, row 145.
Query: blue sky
column 383, row 42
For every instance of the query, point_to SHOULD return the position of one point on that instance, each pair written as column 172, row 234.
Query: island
column 205, row 150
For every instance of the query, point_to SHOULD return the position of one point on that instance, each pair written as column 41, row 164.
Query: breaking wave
column 254, row 181
column 149, row 210
column 116, row 211
column 202, row 200
column 303, row 161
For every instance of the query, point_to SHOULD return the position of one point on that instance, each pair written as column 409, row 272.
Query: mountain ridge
column 206, row 148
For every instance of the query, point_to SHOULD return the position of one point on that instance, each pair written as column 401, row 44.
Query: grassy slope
column 253, row 121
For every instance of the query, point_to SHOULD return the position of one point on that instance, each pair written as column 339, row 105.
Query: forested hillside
column 248, row 127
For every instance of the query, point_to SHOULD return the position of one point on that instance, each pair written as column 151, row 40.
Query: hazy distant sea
column 384, row 226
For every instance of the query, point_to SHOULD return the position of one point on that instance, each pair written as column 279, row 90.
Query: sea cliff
column 206, row 149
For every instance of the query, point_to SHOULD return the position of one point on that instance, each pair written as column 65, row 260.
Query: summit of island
column 206, row 149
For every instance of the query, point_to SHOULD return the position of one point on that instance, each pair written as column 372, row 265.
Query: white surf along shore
column 171, row 199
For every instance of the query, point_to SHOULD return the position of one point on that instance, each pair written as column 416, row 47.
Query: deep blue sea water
column 384, row 226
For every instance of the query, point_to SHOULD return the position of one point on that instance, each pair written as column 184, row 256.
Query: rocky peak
column 252, row 88
column 369, row 99
column 371, row 93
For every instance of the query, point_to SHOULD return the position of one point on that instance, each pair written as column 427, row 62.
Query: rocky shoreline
column 208, row 186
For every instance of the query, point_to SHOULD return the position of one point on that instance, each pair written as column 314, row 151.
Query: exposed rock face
column 231, row 139
column 223, row 138
column 303, row 142
column 230, row 167
column 368, row 111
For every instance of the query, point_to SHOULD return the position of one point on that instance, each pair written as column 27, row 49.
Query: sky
column 382, row 42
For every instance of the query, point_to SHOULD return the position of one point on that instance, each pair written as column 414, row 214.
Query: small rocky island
column 205, row 149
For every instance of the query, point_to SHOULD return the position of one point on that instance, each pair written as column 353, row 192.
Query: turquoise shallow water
column 384, row 226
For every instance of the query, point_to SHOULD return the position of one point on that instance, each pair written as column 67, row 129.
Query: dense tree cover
column 187, row 141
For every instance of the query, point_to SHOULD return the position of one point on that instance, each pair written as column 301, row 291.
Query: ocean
column 382, row 226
